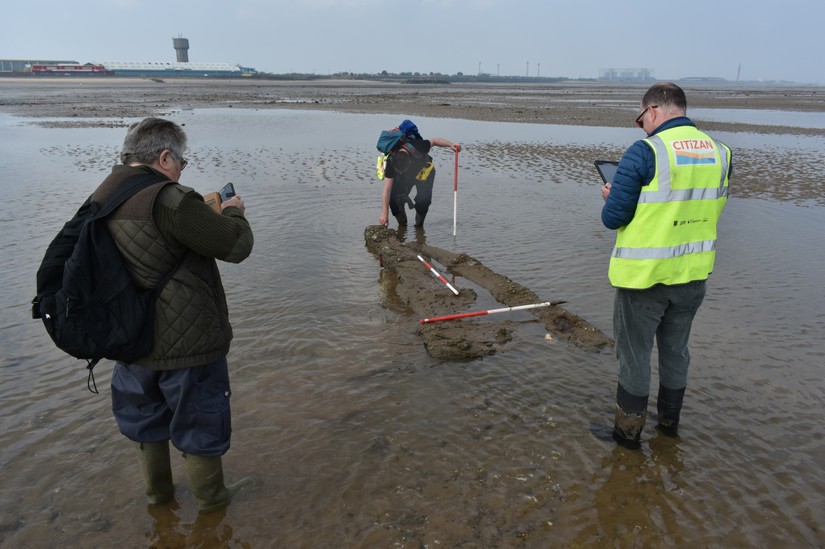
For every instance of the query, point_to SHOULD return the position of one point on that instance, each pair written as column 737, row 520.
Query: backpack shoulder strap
column 127, row 190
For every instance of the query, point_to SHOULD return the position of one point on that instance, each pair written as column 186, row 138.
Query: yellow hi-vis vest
column 672, row 236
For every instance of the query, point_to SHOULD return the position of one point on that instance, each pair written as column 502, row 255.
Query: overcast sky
column 771, row 40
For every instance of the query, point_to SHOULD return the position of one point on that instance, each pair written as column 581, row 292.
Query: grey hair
column 145, row 140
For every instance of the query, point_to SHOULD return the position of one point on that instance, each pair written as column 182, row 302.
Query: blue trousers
column 662, row 312
column 189, row 406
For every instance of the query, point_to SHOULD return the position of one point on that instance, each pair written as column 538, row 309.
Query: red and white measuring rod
column 488, row 312
column 441, row 278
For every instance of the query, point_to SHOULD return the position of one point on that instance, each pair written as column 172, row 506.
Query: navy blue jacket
column 636, row 170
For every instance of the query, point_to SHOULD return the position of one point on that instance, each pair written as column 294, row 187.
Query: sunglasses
column 641, row 114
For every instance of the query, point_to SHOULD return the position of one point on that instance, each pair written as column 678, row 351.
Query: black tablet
column 607, row 169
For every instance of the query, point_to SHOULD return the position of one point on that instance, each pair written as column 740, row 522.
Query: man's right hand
column 234, row 201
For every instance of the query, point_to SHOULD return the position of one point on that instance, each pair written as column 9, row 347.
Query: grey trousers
column 666, row 313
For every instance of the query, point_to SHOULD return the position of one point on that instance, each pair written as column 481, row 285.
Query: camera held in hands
column 214, row 200
column 227, row 192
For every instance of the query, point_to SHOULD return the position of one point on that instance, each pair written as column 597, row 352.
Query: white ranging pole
column 455, row 193
column 436, row 273
column 488, row 312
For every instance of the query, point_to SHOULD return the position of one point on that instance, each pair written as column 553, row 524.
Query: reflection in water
column 170, row 529
column 637, row 497
column 357, row 436
column 639, row 504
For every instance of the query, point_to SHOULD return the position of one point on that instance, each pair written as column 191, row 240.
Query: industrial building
column 24, row 65
column 626, row 75
column 154, row 69
column 175, row 69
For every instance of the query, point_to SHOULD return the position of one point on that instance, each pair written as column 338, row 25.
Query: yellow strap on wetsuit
column 379, row 166
column 425, row 172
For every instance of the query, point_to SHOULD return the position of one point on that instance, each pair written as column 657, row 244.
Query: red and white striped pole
column 441, row 278
column 488, row 312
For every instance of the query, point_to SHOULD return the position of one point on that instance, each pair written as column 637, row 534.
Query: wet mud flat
column 760, row 170
column 573, row 103
column 460, row 339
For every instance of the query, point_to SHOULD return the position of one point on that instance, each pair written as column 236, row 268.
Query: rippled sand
column 759, row 173
column 572, row 103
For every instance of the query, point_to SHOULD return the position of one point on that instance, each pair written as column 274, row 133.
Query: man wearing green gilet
column 665, row 201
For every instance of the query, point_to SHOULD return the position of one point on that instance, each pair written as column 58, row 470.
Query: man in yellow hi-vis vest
column 665, row 201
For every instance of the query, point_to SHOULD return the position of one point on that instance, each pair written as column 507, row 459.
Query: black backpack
column 86, row 296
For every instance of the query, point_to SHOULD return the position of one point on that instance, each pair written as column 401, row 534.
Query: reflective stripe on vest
column 665, row 253
column 672, row 236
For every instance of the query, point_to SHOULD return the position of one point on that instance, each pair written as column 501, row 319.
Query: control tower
column 182, row 49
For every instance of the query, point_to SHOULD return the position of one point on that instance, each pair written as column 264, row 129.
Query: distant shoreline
column 578, row 103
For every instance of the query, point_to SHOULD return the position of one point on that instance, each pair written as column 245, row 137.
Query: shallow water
column 356, row 438
column 762, row 116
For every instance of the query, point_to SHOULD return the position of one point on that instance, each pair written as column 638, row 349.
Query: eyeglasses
column 641, row 114
column 181, row 160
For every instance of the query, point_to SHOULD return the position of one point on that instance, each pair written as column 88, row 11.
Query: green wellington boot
column 156, row 469
column 205, row 475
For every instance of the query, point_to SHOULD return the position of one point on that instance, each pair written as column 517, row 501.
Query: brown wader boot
column 627, row 429
column 631, row 412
